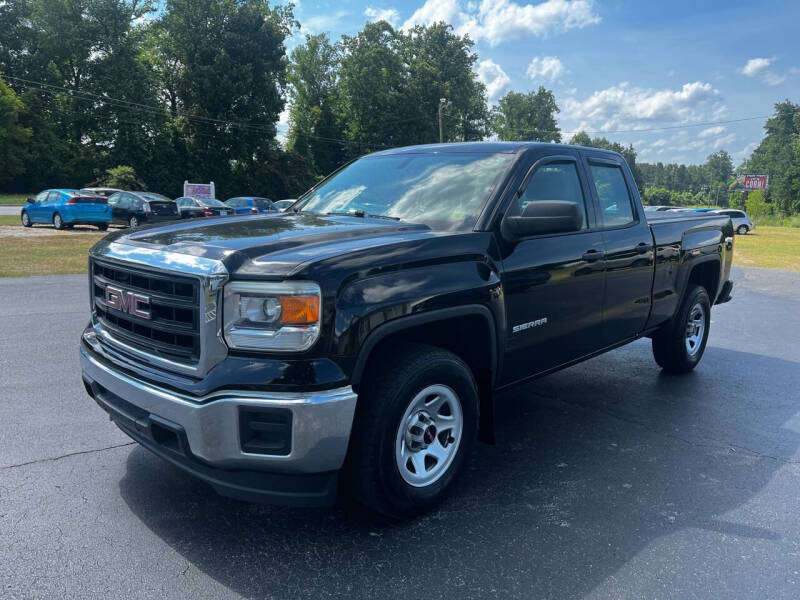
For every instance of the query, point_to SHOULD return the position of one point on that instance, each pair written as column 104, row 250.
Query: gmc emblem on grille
column 128, row 302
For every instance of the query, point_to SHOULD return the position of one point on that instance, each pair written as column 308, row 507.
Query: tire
column 102, row 226
column 58, row 222
column 676, row 347
column 742, row 230
column 26, row 219
column 133, row 223
column 397, row 400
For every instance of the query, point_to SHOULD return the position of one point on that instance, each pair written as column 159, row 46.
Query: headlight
column 284, row 317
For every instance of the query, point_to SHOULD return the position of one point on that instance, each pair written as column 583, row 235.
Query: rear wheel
column 134, row 222
column 26, row 220
column 102, row 226
column 742, row 230
column 58, row 222
column 414, row 428
column 679, row 346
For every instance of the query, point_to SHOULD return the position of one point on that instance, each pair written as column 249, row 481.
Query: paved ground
column 10, row 209
column 609, row 480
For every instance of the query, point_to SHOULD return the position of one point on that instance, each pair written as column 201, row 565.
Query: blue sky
column 619, row 65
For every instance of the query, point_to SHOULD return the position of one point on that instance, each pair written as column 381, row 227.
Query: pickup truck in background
column 355, row 343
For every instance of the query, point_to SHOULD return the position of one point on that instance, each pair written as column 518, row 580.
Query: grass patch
column 10, row 220
column 769, row 247
column 14, row 198
column 45, row 254
column 777, row 221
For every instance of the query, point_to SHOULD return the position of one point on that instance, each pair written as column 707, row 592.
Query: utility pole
column 442, row 102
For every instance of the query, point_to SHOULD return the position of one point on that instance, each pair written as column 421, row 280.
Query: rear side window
column 616, row 208
column 554, row 181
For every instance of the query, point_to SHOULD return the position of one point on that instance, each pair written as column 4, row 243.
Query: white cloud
column 323, row 23
column 760, row 67
column 548, row 68
column 628, row 107
column 390, row 15
column 711, row 131
column 497, row 21
column 755, row 66
column 494, row 78
column 659, row 143
column 771, row 78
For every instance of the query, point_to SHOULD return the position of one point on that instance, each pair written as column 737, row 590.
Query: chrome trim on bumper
column 321, row 421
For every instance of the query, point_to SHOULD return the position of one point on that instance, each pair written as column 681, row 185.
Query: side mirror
column 30, row 200
column 543, row 217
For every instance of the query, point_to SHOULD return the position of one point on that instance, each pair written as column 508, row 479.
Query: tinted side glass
column 53, row 196
column 616, row 207
column 554, row 181
column 41, row 196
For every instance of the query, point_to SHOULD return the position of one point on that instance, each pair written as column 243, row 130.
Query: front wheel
column 742, row 230
column 26, row 220
column 679, row 346
column 414, row 428
column 58, row 222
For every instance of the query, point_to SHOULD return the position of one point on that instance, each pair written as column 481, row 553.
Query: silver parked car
column 741, row 220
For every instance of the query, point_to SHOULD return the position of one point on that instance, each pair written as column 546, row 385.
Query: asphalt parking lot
column 608, row 480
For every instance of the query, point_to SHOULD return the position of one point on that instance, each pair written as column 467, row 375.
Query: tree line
column 195, row 90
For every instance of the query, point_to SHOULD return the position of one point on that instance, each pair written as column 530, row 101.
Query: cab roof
column 487, row 147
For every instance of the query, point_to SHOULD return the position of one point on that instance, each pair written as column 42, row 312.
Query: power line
column 198, row 119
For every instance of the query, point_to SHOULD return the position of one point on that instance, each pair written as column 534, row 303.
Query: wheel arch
column 706, row 273
column 467, row 331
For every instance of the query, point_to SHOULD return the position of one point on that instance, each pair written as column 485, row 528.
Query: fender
column 407, row 322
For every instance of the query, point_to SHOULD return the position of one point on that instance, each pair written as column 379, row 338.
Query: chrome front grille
column 182, row 332
column 173, row 329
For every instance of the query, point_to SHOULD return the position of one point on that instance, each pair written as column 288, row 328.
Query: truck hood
column 273, row 245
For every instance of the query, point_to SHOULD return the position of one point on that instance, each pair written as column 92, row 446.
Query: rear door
column 553, row 284
column 628, row 244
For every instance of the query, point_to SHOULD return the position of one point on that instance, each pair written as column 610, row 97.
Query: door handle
column 593, row 255
column 643, row 247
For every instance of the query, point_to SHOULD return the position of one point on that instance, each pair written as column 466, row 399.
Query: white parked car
column 741, row 220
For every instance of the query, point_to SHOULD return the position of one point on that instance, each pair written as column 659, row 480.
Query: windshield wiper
column 362, row 214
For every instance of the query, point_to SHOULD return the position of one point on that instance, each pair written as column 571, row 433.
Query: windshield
column 443, row 191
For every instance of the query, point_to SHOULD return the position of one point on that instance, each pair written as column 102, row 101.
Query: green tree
column 226, row 68
column 530, row 116
column 122, row 177
column 14, row 137
column 372, row 81
column 778, row 155
column 314, row 131
column 441, row 65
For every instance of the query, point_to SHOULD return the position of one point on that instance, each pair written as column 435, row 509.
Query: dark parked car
column 135, row 208
column 366, row 331
column 65, row 208
column 250, row 205
column 192, row 207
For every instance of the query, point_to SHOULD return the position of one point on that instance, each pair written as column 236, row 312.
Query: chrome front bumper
column 320, row 424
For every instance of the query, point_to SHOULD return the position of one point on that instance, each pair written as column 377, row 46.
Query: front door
column 553, row 284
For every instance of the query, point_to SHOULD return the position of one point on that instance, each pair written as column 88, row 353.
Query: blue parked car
column 250, row 205
column 65, row 208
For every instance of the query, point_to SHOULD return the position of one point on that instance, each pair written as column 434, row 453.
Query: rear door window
column 616, row 206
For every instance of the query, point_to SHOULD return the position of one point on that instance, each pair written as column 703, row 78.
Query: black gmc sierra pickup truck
column 355, row 342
